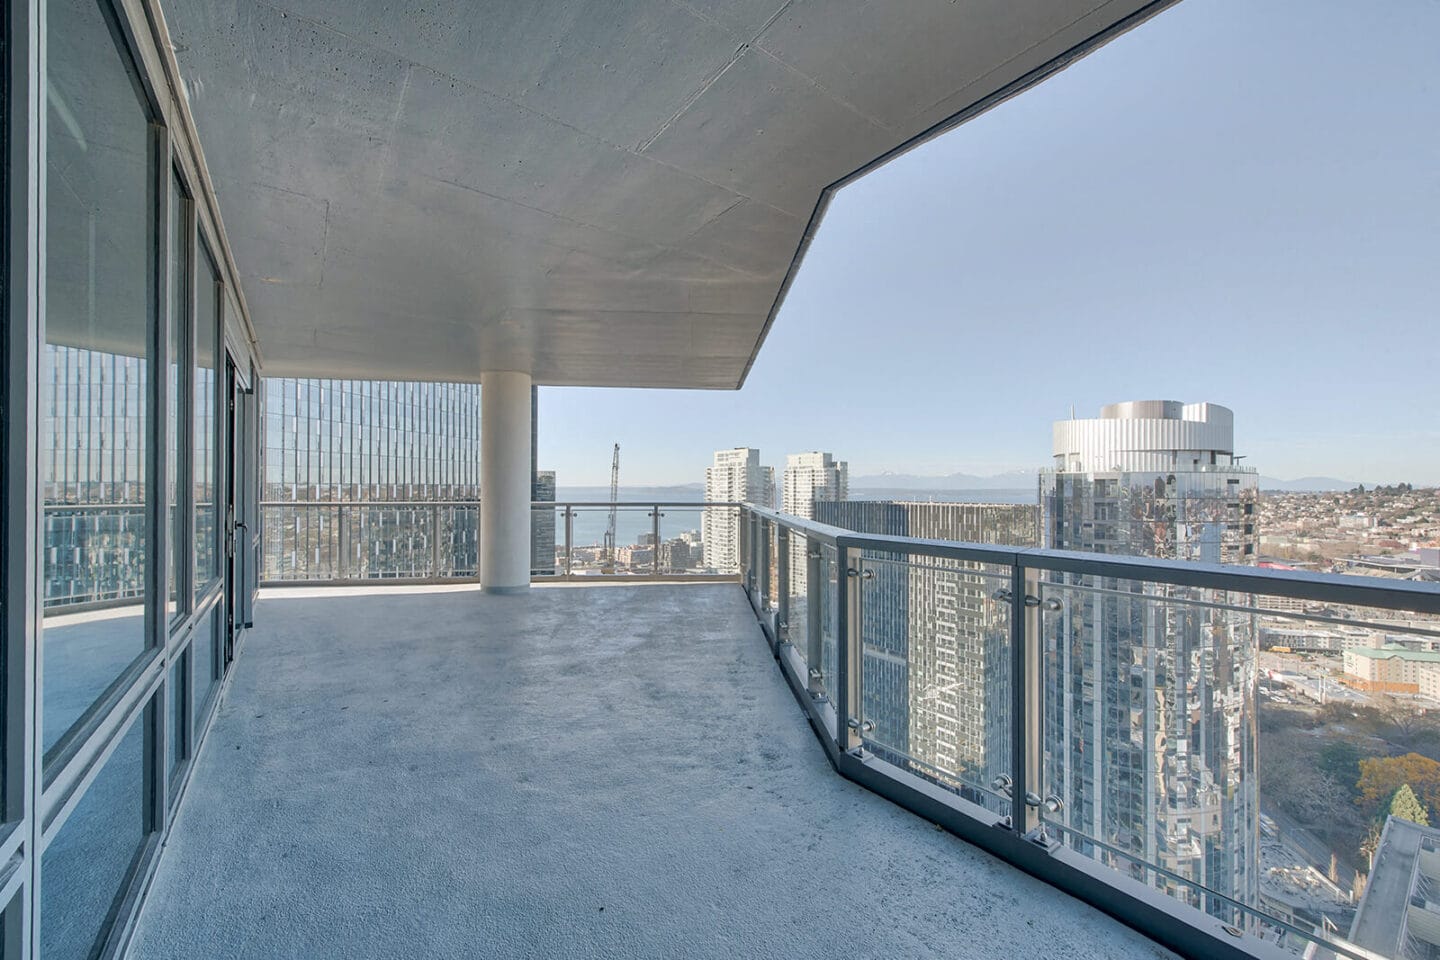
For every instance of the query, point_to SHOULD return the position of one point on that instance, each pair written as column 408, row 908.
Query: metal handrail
column 831, row 694
column 604, row 504
column 622, row 504
column 1409, row 595
column 333, row 550
column 822, row 531
column 322, row 504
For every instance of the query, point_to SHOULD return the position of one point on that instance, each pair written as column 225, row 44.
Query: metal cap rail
column 834, row 706
column 328, row 554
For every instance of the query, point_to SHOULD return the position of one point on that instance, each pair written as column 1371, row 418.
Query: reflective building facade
column 542, row 490
column 935, row 665
column 384, row 476
column 328, row 440
column 542, row 524
column 94, row 475
column 1158, row 674
column 129, row 475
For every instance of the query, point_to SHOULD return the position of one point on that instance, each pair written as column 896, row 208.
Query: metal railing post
column 435, row 540
column 849, row 711
column 815, row 584
column 655, row 540
column 782, row 577
column 763, row 542
column 1026, row 699
column 343, row 539
column 743, row 518
column 569, row 541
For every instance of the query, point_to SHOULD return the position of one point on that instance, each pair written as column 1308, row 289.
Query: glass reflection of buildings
column 935, row 663
column 360, row 459
column 1149, row 712
column 93, row 469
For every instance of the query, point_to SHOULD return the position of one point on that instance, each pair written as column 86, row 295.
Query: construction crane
column 607, row 559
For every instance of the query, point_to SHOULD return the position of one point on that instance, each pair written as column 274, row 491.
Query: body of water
column 631, row 521
column 589, row 524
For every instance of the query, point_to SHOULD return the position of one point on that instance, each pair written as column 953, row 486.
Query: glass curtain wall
column 178, row 374
column 370, row 479
column 203, row 478
column 97, row 365
column 97, row 377
column 120, row 340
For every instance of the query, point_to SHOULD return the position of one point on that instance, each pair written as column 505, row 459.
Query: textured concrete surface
column 577, row 772
column 595, row 193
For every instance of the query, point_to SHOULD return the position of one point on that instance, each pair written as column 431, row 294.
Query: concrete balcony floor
column 606, row 771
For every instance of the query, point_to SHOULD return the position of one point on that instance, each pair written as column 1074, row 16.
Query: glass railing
column 1208, row 752
column 95, row 554
column 419, row 541
column 401, row 540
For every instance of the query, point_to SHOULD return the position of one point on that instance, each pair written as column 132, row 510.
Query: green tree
column 1340, row 761
column 1407, row 806
column 1381, row 777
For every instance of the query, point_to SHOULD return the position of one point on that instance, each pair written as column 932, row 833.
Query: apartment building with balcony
column 1393, row 669
column 809, row 478
column 735, row 476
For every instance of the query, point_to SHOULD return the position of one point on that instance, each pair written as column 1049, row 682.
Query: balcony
column 611, row 759
column 613, row 770
column 958, row 743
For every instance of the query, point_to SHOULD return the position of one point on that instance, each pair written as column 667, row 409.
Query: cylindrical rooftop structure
column 1147, row 435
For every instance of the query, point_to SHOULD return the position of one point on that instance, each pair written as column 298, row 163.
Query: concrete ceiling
column 600, row 193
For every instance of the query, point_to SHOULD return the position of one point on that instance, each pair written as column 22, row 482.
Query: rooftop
column 1422, row 656
column 1397, row 917
column 579, row 771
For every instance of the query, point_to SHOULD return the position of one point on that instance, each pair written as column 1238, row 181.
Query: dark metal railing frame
column 565, row 573
column 832, row 704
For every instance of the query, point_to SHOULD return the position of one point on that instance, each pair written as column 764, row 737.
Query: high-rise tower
column 935, row 641
column 735, row 476
column 810, row 477
column 1150, row 689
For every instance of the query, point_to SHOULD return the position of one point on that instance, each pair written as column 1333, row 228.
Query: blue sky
column 1238, row 201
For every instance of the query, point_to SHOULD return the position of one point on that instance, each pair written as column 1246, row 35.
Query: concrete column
column 504, row 481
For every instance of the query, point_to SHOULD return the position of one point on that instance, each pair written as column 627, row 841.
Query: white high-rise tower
column 810, row 477
column 1150, row 689
column 736, row 475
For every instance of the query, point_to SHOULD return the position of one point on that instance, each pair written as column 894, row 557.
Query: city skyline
column 1133, row 207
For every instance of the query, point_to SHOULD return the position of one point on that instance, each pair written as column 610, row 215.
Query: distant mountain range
column 1025, row 479
column 633, row 494
column 893, row 485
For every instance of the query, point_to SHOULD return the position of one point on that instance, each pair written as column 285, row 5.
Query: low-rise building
column 1389, row 670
